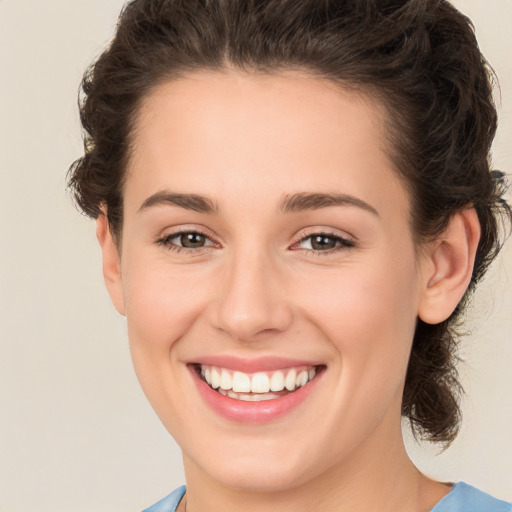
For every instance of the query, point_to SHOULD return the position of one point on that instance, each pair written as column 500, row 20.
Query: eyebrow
column 193, row 202
column 314, row 201
column 299, row 202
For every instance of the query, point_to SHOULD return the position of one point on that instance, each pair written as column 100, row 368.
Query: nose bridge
column 252, row 299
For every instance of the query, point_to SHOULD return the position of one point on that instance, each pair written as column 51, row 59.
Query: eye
column 186, row 240
column 324, row 242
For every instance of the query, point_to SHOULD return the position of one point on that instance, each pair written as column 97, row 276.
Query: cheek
column 368, row 313
column 161, row 301
column 162, row 305
column 368, row 316
column 362, row 299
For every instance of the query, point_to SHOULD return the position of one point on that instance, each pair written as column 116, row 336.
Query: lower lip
column 253, row 412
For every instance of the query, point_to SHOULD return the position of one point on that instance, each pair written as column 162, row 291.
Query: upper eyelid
column 306, row 233
column 343, row 242
column 192, row 232
column 169, row 236
column 170, row 232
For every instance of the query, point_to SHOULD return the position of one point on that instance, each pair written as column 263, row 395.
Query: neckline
column 454, row 490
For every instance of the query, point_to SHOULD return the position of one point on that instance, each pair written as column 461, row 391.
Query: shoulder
column 465, row 498
column 169, row 503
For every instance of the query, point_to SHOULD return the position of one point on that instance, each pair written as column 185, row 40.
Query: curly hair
column 419, row 58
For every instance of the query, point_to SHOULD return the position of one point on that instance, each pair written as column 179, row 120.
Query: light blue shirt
column 462, row 498
column 465, row 498
column 170, row 503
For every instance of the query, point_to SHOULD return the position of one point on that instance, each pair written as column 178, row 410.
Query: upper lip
column 252, row 365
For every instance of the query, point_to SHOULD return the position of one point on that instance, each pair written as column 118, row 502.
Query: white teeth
column 226, row 381
column 289, row 382
column 260, row 383
column 258, row 397
column 248, row 397
column 257, row 386
column 215, row 376
column 302, row 379
column 241, row 382
column 277, row 381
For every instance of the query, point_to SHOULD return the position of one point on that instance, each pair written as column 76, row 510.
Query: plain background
column 76, row 432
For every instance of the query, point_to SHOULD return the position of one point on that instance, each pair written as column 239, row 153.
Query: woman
column 294, row 202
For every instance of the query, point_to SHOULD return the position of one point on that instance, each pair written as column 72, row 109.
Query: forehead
column 207, row 99
column 282, row 130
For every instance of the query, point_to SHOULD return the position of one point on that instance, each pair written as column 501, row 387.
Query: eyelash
column 166, row 241
column 342, row 243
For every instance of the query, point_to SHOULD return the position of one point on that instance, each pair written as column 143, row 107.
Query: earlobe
column 111, row 263
column 448, row 266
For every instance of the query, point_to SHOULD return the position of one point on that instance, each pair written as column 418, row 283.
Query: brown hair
column 419, row 57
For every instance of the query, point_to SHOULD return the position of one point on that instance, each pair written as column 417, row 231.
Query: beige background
column 76, row 433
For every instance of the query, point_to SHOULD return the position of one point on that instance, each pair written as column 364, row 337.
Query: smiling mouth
column 259, row 386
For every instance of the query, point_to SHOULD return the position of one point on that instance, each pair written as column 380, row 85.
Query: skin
column 257, row 288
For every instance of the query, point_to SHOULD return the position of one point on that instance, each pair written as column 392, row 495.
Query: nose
column 252, row 299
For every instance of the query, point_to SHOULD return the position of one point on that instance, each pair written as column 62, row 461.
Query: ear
column 111, row 263
column 447, row 267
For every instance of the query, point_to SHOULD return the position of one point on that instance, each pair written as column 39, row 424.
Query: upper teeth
column 260, row 382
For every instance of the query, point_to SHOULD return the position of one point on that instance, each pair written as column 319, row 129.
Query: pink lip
column 253, row 365
column 253, row 412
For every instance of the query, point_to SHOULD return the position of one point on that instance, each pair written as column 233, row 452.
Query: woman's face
column 266, row 243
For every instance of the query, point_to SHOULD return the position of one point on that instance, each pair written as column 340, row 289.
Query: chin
column 260, row 479
column 260, row 468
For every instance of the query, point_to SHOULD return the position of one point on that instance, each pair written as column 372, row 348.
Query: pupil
column 323, row 242
column 192, row 240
